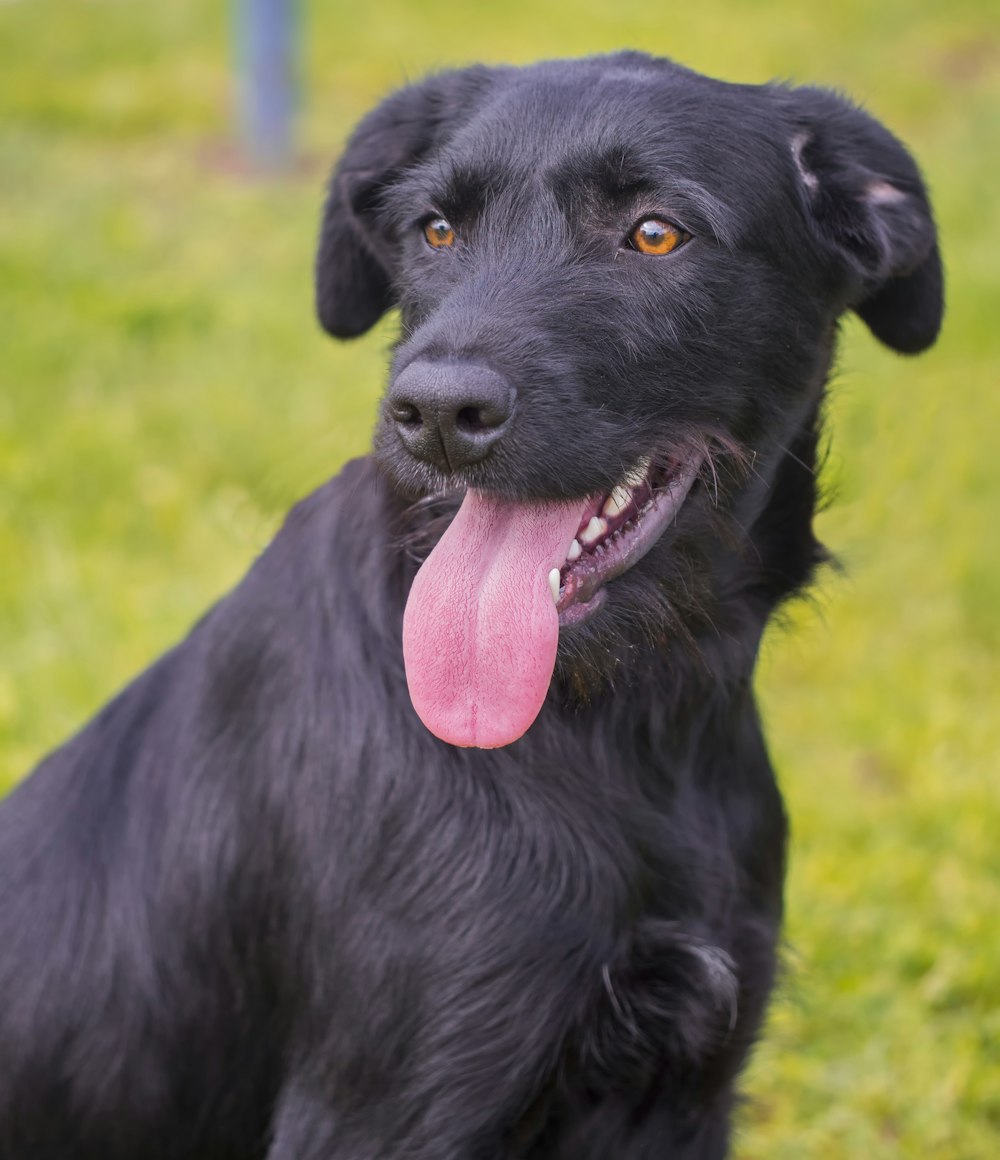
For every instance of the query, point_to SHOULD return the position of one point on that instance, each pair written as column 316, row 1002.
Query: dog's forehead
column 573, row 114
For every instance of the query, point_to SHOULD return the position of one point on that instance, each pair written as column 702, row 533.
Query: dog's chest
column 575, row 907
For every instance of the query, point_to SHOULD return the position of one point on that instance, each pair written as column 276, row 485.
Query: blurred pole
column 267, row 38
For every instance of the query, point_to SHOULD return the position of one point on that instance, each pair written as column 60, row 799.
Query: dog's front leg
column 306, row 1127
column 309, row 1126
column 673, row 1126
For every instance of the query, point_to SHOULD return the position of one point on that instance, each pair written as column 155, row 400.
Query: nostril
column 406, row 413
column 477, row 420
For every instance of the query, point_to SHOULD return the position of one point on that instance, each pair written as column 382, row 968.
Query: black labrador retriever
column 482, row 861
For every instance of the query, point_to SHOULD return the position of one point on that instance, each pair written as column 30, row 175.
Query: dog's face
column 619, row 284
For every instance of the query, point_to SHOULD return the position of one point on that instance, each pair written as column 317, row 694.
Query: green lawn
column 165, row 395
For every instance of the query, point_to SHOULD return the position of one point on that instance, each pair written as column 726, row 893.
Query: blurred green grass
column 165, row 395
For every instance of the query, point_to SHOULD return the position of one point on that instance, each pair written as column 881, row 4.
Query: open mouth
column 617, row 530
column 484, row 613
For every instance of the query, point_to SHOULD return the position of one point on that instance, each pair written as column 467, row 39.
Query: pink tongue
column 480, row 630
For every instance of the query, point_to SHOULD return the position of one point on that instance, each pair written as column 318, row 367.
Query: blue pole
column 267, row 36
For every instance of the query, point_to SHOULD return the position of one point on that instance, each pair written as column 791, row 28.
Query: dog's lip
column 619, row 528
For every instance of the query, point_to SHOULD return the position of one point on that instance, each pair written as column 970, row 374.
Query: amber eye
column 439, row 233
column 655, row 236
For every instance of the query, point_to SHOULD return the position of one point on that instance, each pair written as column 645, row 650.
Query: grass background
column 165, row 395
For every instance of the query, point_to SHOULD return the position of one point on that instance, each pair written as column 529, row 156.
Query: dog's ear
column 355, row 260
column 867, row 204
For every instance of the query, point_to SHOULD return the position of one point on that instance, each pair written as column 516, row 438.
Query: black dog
column 257, row 908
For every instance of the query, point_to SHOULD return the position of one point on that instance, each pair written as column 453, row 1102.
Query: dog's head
column 619, row 284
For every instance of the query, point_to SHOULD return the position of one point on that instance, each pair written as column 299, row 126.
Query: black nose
column 450, row 414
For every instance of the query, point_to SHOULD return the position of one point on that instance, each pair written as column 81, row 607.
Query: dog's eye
column 656, row 236
column 439, row 233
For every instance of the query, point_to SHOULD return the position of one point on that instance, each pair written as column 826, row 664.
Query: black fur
column 255, row 909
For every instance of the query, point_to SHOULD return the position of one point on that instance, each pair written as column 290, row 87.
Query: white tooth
column 574, row 551
column 638, row 473
column 594, row 530
column 554, row 584
column 617, row 502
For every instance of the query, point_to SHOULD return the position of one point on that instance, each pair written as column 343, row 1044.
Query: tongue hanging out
column 480, row 630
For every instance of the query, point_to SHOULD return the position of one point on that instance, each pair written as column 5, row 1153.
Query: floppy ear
column 355, row 259
column 867, row 204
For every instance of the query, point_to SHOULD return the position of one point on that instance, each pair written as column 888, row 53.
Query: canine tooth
column 593, row 531
column 617, row 501
column 638, row 473
column 574, row 551
column 554, row 584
